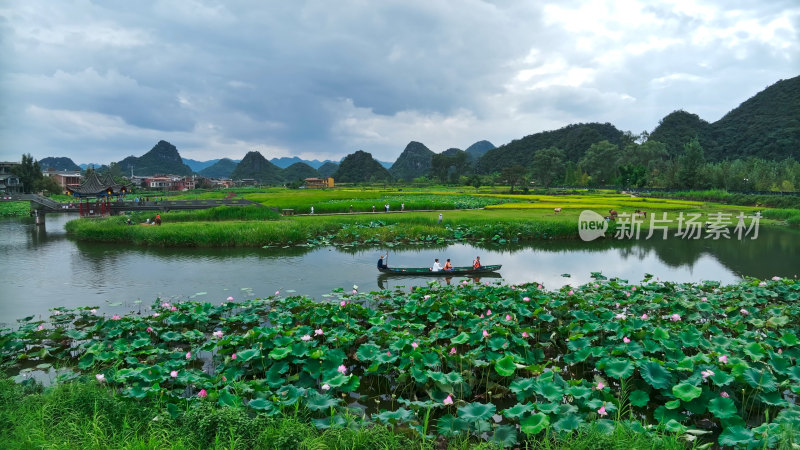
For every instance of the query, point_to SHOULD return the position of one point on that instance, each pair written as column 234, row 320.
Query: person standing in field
column 440, row 218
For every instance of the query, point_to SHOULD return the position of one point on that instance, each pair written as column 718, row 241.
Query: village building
column 318, row 183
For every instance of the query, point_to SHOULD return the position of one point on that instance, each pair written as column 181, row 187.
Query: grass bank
column 88, row 415
column 504, row 219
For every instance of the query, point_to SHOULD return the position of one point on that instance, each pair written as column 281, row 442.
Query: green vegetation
column 220, row 169
column 506, row 219
column 415, row 161
column 360, row 167
column 255, row 166
column 516, row 365
column 15, row 209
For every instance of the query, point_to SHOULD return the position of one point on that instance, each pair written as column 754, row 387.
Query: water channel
column 46, row 268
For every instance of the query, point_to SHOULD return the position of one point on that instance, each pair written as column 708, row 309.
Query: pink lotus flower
column 174, row 308
column 723, row 359
column 485, row 283
column 306, row 338
column 645, row 317
column 93, row 311
column 115, row 317
column 526, row 299
column 100, row 377
column 620, row 316
column 149, row 330
column 156, row 314
column 174, row 374
column 525, row 334
column 707, row 373
column 342, row 369
column 448, row 400
column 326, row 386
column 230, row 299
column 388, row 353
column 188, row 355
column 278, row 292
column 414, row 345
column 763, row 283
column 427, row 297
column 705, row 299
column 600, row 386
column 744, row 312
column 453, row 351
column 485, row 333
column 318, row 332
column 616, row 304
column 481, row 316
column 539, row 286
column 776, row 278
column 571, row 292
column 626, row 340
column 602, row 411
column 165, row 305
column 724, row 394
column 342, row 303
column 488, row 312
column 41, row 327
column 633, row 288
column 202, row 393
column 217, row 334
column 56, row 312
column 233, row 356
column 355, row 292
column 675, row 317
column 513, row 288
column 627, row 294
column 224, row 379
column 508, row 316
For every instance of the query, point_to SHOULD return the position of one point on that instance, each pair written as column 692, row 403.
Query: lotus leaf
column 619, row 368
column 448, row 425
column 760, row 379
column 735, row 435
column 400, row 415
column 569, row 422
column 518, row 410
column 279, row 352
column 639, row 398
column 655, row 375
column 505, row 435
column 535, row 423
column 476, row 411
column 505, row 366
column 686, row 391
column 319, row 402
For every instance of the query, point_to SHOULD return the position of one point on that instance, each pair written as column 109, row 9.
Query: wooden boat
column 426, row 271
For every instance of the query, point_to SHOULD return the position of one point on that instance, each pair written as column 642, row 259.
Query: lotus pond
column 499, row 362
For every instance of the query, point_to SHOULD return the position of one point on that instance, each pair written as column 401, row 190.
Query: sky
column 97, row 81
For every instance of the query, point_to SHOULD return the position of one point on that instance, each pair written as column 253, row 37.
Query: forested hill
column 415, row 161
column 220, row 169
column 573, row 139
column 163, row 158
column 58, row 163
column 765, row 126
column 255, row 166
column 359, row 167
column 680, row 127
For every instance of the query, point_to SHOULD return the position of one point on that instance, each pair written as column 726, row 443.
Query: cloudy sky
column 101, row 80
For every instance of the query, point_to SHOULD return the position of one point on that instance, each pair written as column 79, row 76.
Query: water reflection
column 48, row 268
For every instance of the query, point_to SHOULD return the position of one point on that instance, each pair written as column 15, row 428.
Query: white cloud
column 312, row 78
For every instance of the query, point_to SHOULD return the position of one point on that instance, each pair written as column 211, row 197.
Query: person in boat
column 436, row 266
column 447, row 266
column 382, row 262
column 477, row 263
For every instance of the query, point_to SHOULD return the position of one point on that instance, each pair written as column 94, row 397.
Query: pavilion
column 99, row 189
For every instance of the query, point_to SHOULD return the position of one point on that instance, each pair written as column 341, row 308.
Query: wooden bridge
column 41, row 206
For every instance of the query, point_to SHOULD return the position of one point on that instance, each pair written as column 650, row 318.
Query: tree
column 601, row 161
column 548, row 165
column 28, row 173
column 475, row 181
column 49, row 185
column 513, row 175
column 689, row 165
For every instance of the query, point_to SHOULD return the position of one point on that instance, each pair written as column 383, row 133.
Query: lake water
column 45, row 268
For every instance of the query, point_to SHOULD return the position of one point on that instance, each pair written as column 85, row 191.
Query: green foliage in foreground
column 88, row 415
column 504, row 363
column 15, row 209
